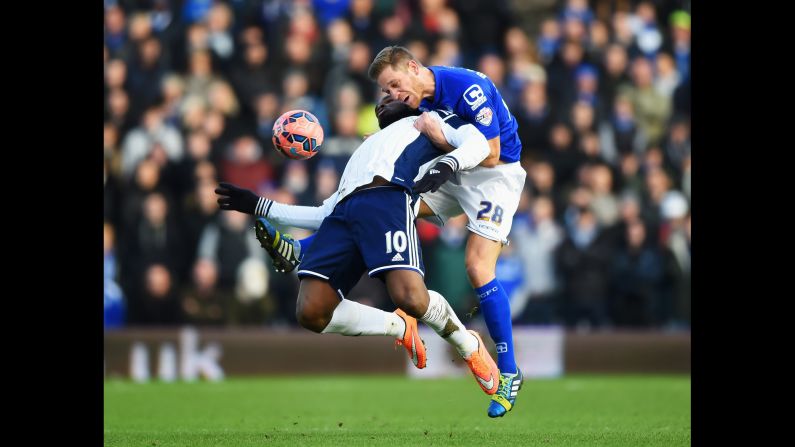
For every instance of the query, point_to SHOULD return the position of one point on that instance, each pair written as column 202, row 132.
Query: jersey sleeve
column 307, row 217
column 478, row 109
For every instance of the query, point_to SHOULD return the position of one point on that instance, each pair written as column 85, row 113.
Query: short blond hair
column 392, row 56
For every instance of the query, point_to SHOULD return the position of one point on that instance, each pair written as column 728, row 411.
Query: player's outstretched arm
column 234, row 198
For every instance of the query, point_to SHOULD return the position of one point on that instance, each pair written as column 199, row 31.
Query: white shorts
column 488, row 196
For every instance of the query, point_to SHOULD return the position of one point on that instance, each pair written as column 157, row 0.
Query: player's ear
column 413, row 67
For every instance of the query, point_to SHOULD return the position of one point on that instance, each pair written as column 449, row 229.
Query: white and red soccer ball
column 297, row 134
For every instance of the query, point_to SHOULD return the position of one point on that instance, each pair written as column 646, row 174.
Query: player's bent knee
column 479, row 272
column 414, row 304
column 315, row 305
column 311, row 317
column 408, row 291
column 481, row 260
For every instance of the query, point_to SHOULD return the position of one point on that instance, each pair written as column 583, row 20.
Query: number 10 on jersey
column 397, row 240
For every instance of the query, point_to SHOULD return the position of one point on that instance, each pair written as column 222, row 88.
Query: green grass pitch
column 397, row 411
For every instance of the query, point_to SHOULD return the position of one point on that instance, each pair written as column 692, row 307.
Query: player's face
column 402, row 84
column 389, row 110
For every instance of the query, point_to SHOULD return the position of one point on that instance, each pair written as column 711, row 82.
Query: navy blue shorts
column 371, row 230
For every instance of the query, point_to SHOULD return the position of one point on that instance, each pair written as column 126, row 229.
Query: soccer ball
column 297, row 134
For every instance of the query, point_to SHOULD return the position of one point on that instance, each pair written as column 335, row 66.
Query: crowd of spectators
column 600, row 89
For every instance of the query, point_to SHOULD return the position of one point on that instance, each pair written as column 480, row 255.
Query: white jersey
column 401, row 154
column 395, row 153
column 398, row 153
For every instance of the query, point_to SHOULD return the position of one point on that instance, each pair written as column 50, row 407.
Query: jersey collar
column 437, row 93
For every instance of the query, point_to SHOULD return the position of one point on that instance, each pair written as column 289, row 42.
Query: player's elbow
column 494, row 154
column 490, row 161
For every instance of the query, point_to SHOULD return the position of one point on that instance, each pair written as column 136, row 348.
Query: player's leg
column 489, row 197
column 385, row 232
column 485, row 219
column 481, row 261
column 424, row 210
column 306, row 242
column 285, row 251
column 408, row 292
column 481, row 265
column 316, row 303
column 329, row 270
column 495, row 192
column 320, row 309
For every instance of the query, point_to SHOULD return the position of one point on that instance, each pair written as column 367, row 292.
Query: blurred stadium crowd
column 601, row 90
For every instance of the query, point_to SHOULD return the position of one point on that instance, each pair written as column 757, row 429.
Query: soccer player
column 488, row 194
column 368, row 225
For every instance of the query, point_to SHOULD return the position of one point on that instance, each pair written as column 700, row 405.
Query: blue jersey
column 473, row 97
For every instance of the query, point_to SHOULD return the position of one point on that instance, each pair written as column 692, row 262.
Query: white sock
column 442, row 319
column 354, row 319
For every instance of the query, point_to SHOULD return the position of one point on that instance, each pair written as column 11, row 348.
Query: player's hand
column 430, row 128
column 434, row 178
column 236, row 199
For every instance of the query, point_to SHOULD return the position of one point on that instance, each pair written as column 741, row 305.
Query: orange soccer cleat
column 483, row 367
column 411, row 340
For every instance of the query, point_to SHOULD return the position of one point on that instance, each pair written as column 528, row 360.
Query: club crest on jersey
column 474, row 96
column 484, row 116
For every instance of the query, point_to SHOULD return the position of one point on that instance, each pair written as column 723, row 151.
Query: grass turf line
column 370, row 411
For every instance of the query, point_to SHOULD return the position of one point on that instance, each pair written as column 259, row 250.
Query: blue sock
column 305, row 243
column 497, row 313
